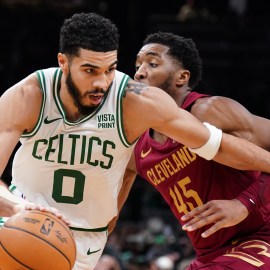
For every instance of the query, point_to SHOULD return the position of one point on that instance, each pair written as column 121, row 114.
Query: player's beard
column 75, row 93
column 166, row 85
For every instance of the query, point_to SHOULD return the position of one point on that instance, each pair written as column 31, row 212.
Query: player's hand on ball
column 31, row 206
column 44, row 242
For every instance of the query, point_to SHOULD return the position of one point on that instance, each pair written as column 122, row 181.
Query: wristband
column 210, row 148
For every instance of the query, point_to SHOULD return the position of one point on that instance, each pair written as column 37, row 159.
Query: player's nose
column 100, row 82
column 140, row 74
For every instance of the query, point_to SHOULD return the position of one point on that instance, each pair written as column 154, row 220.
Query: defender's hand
column 223, row 213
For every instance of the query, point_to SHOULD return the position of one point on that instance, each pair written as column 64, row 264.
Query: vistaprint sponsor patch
column 106, row 120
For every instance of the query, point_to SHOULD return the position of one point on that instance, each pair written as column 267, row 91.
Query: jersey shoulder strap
column 190, row 100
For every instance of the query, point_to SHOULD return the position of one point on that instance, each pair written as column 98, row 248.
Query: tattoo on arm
column 135, row 87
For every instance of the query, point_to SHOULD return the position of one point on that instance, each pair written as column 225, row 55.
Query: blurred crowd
column 151, row 244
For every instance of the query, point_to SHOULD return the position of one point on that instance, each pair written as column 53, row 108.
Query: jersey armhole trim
column 119, row 109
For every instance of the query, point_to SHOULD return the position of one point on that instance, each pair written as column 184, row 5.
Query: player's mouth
column 96, row 99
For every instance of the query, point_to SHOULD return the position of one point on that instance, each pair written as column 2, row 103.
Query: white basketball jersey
column 76, row 167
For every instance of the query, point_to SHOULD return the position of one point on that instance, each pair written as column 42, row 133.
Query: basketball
column 36, row 240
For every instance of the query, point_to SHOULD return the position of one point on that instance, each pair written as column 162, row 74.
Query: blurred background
column 233, row 38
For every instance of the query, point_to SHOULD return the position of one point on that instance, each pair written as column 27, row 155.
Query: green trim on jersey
column 56, row 85
column 2, row 221
column 12, row 187
column 42, row 83
column 102, row 229
column 59, row 104
column 119, row 111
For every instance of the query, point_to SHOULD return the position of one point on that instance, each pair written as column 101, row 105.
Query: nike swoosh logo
column 144, row 154
column 234, row 241
column 91, row 252
column 47, row 121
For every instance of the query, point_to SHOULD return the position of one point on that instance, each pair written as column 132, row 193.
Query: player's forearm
column 243, row 155
column 129, row 178
column 6, row 208
column 250, row 196
column 112, row 224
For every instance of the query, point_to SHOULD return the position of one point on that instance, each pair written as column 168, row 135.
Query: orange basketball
column 36, row 240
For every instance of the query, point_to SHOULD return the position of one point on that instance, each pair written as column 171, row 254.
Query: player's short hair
column 88, row 31
column 181, row 49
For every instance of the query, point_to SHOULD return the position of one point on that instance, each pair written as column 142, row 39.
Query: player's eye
column 90, row 70
column 112, row 69
column 153, row 65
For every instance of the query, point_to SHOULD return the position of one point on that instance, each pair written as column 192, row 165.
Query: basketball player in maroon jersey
column 203, row 195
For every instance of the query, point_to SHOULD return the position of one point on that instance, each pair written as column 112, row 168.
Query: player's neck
column 181, row 95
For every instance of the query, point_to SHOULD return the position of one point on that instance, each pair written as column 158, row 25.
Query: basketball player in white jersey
column 78, row 124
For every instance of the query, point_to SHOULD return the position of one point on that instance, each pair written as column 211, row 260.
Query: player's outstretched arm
column 242, row 154
column 160, row 112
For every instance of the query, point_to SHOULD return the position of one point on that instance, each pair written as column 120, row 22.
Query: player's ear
column 62, row 61
column 183, row 77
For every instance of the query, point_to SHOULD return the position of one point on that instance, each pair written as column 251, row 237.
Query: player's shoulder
column 218, row 110
column 206, row 104
column 26, row 89
column 22, row 102
column 213, row 100
column 31, row 84
column 29, row 90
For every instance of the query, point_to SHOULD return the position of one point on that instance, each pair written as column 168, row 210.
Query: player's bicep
column 233, row 118
column 260, row 131
column 226, row 114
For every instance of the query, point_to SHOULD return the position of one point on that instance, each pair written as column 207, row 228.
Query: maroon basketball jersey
column 186, row 181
